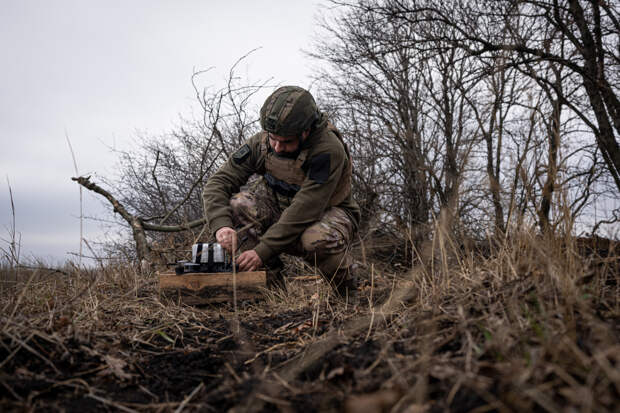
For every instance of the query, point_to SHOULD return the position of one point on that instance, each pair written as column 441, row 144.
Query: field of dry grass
column 522, row 325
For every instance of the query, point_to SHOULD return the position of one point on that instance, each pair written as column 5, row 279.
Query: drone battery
column 197, row 252
column 219, row 258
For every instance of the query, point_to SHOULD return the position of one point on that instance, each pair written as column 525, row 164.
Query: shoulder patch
column 241, row 154
column 319, row 168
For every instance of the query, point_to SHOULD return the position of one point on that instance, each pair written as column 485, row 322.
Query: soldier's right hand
column 227, row 237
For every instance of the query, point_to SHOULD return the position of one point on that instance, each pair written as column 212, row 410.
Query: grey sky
column 102, row 71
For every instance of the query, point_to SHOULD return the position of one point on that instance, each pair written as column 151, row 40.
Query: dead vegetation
column 530, row 325
column 487, row 134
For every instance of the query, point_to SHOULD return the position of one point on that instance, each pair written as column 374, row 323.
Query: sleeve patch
column 241, row 154
column 319, row 168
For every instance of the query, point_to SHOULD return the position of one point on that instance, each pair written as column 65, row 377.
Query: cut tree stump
column 207, row 288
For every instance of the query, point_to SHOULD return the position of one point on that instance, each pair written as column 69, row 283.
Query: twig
column 233, row 373
column 33, row 351
column 10, row 389
column 137, row 226
column 41, row 268
column 14, row 247
column 188, row 398
column 372, row 310
column 13, row 353
column 273, row 400
column 161, row 194
column 305, row 278
column 292, row 389
column 234, row 271
column 191, row 190
column 111, row 403
column 68, row 383
column 19, row 299
column 612, row 373
column 81, row 201
column 78, row 295
column 269, row 350
column 99, row 260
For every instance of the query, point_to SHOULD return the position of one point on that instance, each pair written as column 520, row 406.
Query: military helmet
column 288, row 111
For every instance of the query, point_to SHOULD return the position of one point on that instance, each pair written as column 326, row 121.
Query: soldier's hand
column 226, row 236
column 249, row 261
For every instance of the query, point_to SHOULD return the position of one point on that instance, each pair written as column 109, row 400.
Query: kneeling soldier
column 301, row 205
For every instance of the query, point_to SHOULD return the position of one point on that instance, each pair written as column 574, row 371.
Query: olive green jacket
column 303, row 209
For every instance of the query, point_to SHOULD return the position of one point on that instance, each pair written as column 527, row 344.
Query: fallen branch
column 137, row 224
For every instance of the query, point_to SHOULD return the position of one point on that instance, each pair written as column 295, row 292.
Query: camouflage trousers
column 323, row 244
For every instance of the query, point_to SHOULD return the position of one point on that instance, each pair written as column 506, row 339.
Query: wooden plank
column 198, row 281
column 206, row 288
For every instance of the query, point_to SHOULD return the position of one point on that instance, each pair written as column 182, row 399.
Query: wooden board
column 205, row 288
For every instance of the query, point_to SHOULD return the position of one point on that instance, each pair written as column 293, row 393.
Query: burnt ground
column 468, row 342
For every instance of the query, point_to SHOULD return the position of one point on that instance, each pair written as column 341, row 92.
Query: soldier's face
column 283, row 144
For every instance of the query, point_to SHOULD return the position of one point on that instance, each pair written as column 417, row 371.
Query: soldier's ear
column 305, row 134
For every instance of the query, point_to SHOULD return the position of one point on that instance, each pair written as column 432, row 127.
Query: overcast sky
column 105, row 71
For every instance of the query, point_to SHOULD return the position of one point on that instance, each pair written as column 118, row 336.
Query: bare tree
column 508, row 74
column 584, row 41
column 159, row 184
column 400, row 106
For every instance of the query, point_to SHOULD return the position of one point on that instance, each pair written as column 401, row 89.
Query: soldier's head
column 288, row 115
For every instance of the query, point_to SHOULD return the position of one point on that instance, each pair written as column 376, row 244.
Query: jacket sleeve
column 227, row 181
column 307, row 206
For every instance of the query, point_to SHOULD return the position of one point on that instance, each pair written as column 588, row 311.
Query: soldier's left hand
column 249, row 261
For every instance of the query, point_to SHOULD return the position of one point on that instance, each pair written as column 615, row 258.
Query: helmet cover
column 288, row 111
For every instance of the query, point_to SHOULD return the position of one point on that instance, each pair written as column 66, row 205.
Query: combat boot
column 275, row 274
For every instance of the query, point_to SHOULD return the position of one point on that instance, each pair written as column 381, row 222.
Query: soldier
column 301, row 205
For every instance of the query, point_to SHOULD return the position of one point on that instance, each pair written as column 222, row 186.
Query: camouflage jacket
column 325, row 166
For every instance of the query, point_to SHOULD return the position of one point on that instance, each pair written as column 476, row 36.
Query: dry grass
column 530, row 325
